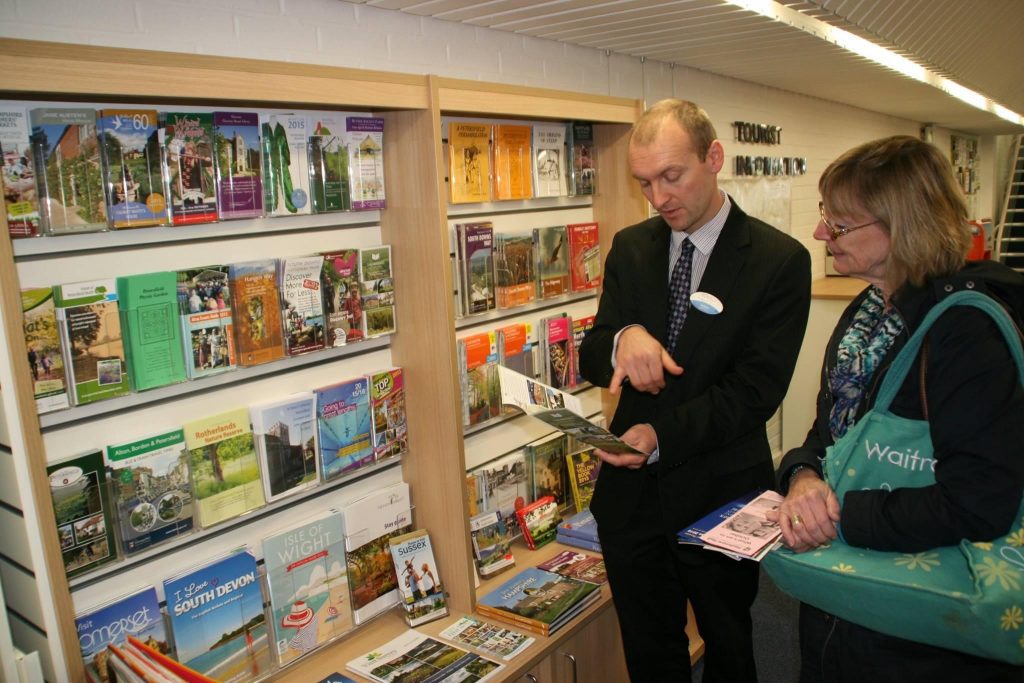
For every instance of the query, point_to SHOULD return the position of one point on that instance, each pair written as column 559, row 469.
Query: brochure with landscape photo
column 151, row 489
column 217, row 618
column 538, row 601
column 414, row 656
column 578, row 566
column 370, row 524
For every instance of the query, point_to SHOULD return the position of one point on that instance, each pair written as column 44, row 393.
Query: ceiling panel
column 977, row 43
column 639, row 20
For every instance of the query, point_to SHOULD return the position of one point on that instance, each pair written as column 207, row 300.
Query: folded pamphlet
column 558, row 409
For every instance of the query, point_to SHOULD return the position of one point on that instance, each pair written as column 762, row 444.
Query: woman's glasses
column 837, row 230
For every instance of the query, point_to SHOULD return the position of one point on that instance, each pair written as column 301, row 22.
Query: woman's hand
column 809, row 514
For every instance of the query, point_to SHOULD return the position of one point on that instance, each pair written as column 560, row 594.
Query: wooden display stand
column 414, row 223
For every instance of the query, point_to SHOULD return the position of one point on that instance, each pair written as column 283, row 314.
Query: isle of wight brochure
column 308, row 584
column 558, row 409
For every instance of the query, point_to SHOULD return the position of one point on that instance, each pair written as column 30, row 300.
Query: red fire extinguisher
column 977, row 252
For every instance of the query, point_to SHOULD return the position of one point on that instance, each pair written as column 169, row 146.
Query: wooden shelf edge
column 48, row 246
column 480, row 98
column 839, row 288
column 86, row 70
column 474, row 320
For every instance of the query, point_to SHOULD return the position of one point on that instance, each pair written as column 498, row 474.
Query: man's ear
column 716, row 156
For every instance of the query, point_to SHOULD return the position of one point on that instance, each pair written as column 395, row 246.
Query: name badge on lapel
column 706, row 303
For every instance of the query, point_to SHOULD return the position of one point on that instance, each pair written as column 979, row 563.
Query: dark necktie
column 679, row 294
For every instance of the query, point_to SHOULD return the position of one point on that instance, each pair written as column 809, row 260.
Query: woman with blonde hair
column 893, row 215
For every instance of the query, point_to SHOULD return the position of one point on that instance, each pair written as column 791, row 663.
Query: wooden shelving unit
column 415, row 223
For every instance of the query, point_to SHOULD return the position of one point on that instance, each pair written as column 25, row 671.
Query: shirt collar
column 705, row 237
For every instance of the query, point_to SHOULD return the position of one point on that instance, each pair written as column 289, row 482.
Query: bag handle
column 905, row 358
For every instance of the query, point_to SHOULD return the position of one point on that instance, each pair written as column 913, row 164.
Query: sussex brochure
column 419, row 582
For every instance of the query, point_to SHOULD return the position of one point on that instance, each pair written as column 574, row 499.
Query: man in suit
column 695, row 388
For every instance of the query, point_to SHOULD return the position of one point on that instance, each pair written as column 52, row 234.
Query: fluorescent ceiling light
column 877, row 54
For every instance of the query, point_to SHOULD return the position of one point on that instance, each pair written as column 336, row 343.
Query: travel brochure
column 414, row 656
column 308, row 586
column 558, row 409
column 217, row 618
column 497, row 641
column 137, row 614
column 746, row 533
column 538, row 600
column 419, row 583
column 577, row 565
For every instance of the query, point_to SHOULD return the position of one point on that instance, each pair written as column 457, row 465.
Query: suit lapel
column 727, row 261
column 652, row 280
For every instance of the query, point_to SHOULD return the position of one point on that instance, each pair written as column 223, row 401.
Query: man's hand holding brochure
column 562, row 411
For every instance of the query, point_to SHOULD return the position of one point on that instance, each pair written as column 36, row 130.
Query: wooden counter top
column 833, row 287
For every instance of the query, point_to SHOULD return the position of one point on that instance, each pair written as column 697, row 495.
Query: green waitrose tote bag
column 968, row 597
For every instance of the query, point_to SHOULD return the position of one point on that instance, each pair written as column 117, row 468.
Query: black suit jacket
column 710, row 421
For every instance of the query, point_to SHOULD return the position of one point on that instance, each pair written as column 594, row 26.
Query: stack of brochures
column 580, row 530
column 539, row 601
column 739, row 528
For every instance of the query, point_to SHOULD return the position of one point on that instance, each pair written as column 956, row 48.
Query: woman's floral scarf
column 861, row 350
